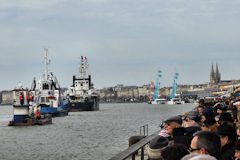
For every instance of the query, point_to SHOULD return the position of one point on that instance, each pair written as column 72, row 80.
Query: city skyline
column 126, row 42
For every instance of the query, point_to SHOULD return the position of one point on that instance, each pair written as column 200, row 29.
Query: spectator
column 209, row 125
column 207, row 114
column 171, row 123
column 174, row 152
column 205, row 142
column 200, row 109
column 155, row 146
column 191, row 122
column 237, row 150
column 228, row 138
column 180, row 136
column 226, row 117
column 195, row 156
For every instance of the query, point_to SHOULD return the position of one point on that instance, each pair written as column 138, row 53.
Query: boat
column 175, row 101
column 82, row 95
column 47, row 93
column 21, row 114
column 159, row 101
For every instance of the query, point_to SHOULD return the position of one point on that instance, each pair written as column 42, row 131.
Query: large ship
column 81, row 95
column 47, row 93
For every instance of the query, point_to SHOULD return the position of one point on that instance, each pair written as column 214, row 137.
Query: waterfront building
column 7, row 97
column 108, row 94
column 125, row 93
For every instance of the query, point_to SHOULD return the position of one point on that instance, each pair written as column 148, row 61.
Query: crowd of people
column 205, row 133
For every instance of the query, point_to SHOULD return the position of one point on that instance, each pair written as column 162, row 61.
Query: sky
column 125, row 41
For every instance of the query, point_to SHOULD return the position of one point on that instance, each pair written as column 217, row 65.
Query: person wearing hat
column 191, row 122
column 174, row 152
column 171, row 123
column 228, row 138
column 237, row 150
column 192, row 118
column 155, row 146
column 226, row 117
column 207, row 114
column 209, row 124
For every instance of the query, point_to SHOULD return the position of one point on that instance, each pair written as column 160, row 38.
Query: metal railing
column 132, row 151
column 144, row 130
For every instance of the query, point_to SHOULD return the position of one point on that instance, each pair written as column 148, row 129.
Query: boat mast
column 46, row 63
column 174, row 89
column 83, row 67
column 157, row 85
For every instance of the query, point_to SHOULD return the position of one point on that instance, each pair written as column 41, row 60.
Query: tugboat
column 48, row 94
column 81, row 95
column 21, row 114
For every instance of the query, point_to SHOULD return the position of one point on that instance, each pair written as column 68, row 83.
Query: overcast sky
column 126, row 41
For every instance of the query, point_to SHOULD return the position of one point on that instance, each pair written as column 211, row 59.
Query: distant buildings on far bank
column 215, row 87
column 6, row 97
column 121, row 93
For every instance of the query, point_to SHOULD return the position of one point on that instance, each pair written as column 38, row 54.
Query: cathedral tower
column 215, row 76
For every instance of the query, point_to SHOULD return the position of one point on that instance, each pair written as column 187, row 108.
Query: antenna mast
column 83, row 67
column 46, row 63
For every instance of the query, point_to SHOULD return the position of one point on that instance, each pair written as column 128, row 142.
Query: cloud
column 120, row 38
column 29, row 4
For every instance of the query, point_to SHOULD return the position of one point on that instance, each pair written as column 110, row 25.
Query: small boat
column 81, row 95
column 47, row 93
column 21, row 114
column 175, row 101
column 159, row 101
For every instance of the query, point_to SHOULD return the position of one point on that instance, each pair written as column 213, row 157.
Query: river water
column 82, row 135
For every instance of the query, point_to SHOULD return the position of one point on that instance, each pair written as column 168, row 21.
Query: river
column 82, row 135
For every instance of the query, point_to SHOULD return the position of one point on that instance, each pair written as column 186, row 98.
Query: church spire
column 217, row 74
column 212, row 73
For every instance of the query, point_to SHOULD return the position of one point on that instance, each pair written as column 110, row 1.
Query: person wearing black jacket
column 228, row 137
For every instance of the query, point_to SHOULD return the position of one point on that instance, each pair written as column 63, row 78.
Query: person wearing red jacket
column 21, row 98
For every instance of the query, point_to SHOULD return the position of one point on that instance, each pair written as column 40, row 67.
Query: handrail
column 131, row 151
column 144, row 130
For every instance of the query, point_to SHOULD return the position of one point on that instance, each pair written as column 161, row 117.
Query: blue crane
column 174, row 88
column 157, row 85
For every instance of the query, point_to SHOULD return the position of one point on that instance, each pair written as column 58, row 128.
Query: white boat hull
column 175, row 101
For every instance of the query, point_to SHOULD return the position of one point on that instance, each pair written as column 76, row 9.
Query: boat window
column 45, row 86
column 42, row 99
